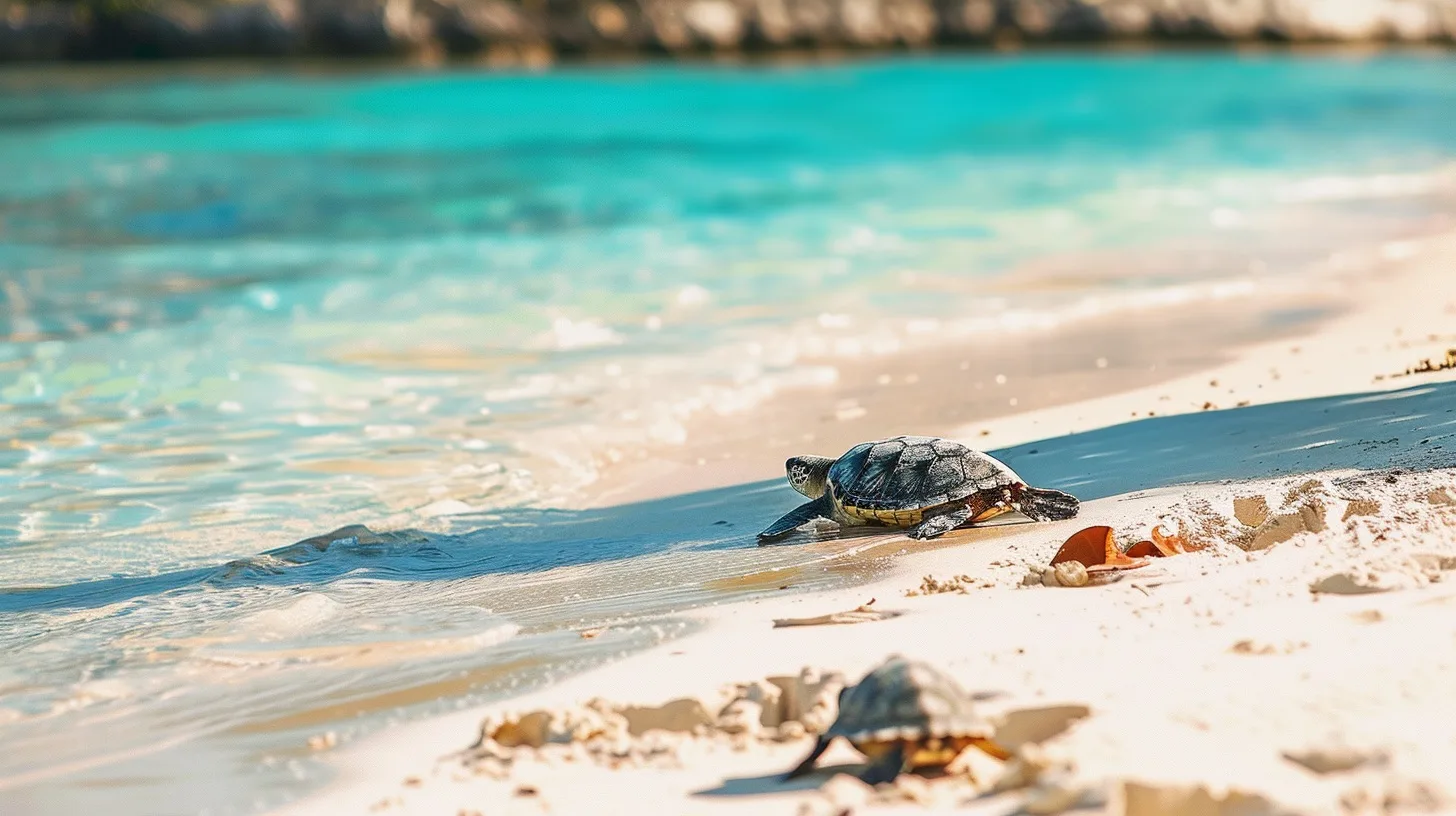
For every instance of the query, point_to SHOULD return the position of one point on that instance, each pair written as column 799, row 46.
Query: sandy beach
column 1299, row 661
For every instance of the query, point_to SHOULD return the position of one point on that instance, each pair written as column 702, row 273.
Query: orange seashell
column 1175, row 544
column 1096, row 550
column 1145, row 549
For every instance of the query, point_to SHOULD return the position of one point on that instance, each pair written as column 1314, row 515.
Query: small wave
column 331, row 554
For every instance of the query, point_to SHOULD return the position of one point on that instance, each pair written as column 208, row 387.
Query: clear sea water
column 243, row 310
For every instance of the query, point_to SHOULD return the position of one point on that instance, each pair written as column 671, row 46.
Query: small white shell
column 1070, row 574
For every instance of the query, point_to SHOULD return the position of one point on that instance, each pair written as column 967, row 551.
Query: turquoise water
column 242, row 311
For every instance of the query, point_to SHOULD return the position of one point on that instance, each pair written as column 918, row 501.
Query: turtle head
column 809, row 474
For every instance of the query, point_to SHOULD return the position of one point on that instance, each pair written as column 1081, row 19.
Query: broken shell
column 1144, row 549
column 1095, row 549
column 1174, row 543
column 1023, row 769
column 1056, row 793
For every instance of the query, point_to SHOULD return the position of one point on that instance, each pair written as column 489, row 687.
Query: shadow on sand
column 1410, row 429
column 775, row 782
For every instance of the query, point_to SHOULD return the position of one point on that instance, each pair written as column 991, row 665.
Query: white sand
column 1203, row 669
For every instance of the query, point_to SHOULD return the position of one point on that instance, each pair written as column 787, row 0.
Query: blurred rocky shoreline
column 536, row 31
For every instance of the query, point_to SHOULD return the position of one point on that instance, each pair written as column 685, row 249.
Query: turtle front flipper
column 807, row 765
column 885, row 767
column 821, row 507
column 1040, row 504
column 942, row 523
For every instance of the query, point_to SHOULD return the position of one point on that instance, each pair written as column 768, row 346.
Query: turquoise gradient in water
column 241, row 311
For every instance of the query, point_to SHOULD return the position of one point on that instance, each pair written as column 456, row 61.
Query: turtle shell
column 906, row 700
column 913, row 472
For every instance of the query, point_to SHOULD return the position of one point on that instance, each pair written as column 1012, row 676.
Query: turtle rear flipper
column 886, row 767
column 821, row 507
column 942, row 524
column 807, row 766
column 1040, row 504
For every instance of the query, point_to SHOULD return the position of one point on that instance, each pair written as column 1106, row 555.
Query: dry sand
column 1303, row 661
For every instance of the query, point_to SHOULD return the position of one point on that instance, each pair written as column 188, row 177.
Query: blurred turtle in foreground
column 905, row 715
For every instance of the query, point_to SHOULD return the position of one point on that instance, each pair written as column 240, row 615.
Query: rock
column 810, row 698
column 846, row 793
column 534, row 729
column 885, row 22
column 193, row 28
column 770, row 700
column 1060, row 791
column 1395, row 794
column 1149, row 799
column 40, row 31
column 1226, row 19
column 1036, row 725
column 683, row 714
column 1331, row 20
column 1346, row 583
column 1080, row 19
column 791, row 730
column 1444, row 21
column 1251, row 511
column 1412, row 21
column 684, row 25
column 792, row 22
column 1361, row 507
column 516, row 31
column 364, row 27
column 1025, row 768
column 1434, row 562
column 258, row 27
column 1308, row 518
column 1333, row 758
column 715, row 22
column 599, row 26
column 742, row 716
column 1277, row 530
column 467, row 26
column 966, row 20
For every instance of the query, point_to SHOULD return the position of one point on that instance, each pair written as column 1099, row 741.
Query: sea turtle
column 905, row 715
column 927, row 484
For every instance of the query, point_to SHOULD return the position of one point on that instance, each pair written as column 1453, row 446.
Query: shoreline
column 19, row 72
column 1403, row 286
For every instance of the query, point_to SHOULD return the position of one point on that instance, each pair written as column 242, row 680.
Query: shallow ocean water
column 243, row 311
